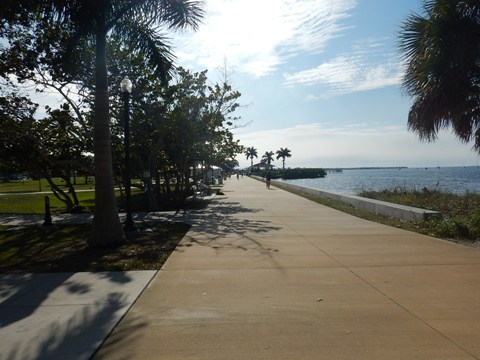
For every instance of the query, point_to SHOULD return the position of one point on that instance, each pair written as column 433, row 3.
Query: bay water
column 456, row 180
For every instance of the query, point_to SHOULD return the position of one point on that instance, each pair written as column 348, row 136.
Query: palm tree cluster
column 267, row 158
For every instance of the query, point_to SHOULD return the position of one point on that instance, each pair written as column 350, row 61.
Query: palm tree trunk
column 107, row 228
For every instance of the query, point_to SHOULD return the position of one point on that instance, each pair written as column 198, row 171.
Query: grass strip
column 35, row 203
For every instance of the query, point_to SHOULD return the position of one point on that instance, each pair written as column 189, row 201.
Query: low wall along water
column 376, row 206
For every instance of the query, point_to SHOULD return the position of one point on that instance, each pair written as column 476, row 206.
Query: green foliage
column 178, row 118
column 461, row 216
column 195, row 128
column 54, row 34
column 442, row 74
column 283, row 153
column 302, row 173
column 268, row 157
column 251, row 153
column 16, row 112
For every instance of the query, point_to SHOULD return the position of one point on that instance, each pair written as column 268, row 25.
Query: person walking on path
column 268, row 178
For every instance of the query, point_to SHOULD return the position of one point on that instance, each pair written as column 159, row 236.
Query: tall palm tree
column 251, row 153
column 136, row 24
column 442, row 54
column 268, row 157
column 283, row 153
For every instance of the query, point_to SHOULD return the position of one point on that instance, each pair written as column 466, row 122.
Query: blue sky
column 320, row 77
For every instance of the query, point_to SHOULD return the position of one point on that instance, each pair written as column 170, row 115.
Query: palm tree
column 442, row 54
column 251, row 153
column 283, row 153
column 135, row 23
column 268, row 157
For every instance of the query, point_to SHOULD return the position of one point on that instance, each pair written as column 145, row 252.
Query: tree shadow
column 26, row 293
column 222, row 227
column 72, row 323
column 77, row 337
column 26, row 219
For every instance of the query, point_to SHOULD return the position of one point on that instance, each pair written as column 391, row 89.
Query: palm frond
column 442, row 52
column 151, row 43
column 176, row 14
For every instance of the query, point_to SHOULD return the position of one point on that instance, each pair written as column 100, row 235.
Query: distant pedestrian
column 268, row 178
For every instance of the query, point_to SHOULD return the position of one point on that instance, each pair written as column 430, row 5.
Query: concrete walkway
column 63, row 315
column 265, row 274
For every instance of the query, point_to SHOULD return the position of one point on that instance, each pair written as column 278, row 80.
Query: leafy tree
column 59, row 143
column 268, row 157
column 92, row 24
column 251, row 153
column 230, row 165
column 46, row 147
column 442, row 53
column 283, row 153
column 195, row 127
column 16, row 112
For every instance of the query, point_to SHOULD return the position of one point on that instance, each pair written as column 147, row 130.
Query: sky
column 319, row 77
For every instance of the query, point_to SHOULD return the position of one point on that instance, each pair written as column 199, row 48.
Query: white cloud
column 365, row 68
column 257, row 36
column 321, row 145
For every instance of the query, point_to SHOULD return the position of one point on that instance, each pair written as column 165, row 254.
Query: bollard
column 48, row 218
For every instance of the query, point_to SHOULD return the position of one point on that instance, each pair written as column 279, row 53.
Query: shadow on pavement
column 75, row 338
column 59, row 315
column 221, row 227
column 27, row 292
column 223, row 218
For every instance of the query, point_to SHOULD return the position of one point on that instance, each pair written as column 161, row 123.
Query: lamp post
column 126, row 88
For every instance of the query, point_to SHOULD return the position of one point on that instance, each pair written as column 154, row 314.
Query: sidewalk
column 264, row 274
column 63, row 315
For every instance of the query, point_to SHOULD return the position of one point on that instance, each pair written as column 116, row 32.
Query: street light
column 126, row 88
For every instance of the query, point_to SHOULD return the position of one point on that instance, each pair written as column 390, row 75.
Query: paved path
column 63, row 315
column 265, row 274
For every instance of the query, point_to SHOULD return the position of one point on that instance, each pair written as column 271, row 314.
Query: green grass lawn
column 18, row 196
column 21, row 186
column 15, row 203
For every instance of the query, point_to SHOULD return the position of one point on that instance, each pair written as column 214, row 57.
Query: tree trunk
column 107, row 228
column 71, row 190
column 60, row 194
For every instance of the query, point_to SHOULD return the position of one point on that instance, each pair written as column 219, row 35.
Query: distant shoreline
column 398, row 167
column 367, row 168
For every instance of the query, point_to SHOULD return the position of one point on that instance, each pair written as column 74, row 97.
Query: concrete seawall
column 358, row 202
